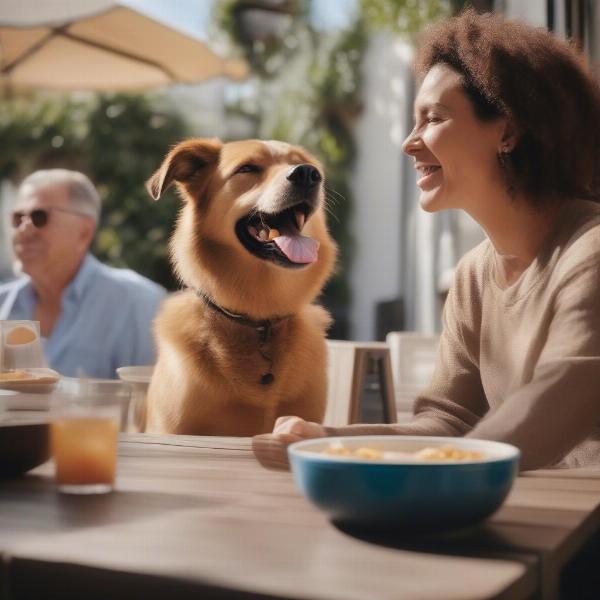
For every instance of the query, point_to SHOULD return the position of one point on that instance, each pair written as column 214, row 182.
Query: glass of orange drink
column 83, row 436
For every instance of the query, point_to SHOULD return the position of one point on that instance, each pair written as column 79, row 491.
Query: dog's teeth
column 252, row 230
column 273, row 233
column 263, row 234
column 300, row 218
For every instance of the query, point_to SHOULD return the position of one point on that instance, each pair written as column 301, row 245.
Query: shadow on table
column 476, row 541
column 118, row 507
column 37, row 506
column 579, row 579
column 31, row 580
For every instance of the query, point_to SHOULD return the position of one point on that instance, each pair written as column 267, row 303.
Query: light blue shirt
column 105, row 323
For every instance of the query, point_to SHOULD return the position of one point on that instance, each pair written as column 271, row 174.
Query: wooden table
column 198, row 515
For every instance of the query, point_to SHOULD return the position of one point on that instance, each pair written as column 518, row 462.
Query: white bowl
column 141, row 374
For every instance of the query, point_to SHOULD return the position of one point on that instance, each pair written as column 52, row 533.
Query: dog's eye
column 247, row 168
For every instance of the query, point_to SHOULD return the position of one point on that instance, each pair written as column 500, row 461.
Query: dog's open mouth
column 278, row 237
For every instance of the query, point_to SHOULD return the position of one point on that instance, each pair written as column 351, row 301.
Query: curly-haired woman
column 507, row 128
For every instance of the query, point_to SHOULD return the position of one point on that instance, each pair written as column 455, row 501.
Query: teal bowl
column 402, row 492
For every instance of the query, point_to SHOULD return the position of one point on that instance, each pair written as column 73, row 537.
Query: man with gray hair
column 93, row 318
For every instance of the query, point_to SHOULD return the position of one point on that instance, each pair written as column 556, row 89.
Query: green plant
column 405, row 16
column 40, row 131
column 118, row 141
column 130, row 138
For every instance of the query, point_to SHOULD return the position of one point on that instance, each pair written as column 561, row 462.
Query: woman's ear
column 186, row 164
column 510, row 137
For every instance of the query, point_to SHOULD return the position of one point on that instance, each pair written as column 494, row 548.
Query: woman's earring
column 503, row 159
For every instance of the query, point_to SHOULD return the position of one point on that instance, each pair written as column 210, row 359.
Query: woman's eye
column 433, row 119
column 248, row 168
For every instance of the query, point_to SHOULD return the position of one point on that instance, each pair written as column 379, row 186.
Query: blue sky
column 193, row 16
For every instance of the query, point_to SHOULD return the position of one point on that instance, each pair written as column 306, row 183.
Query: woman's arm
column 558, row 408
column 451, row 406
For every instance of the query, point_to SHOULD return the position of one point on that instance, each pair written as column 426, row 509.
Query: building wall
column 378, row 180
column 531, row 11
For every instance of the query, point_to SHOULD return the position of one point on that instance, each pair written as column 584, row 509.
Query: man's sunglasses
column 39, row 216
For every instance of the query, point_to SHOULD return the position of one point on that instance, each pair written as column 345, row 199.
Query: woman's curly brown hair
column 541, row 84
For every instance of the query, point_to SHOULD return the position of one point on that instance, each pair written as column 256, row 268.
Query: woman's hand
column 271, row 448
column 294, row 429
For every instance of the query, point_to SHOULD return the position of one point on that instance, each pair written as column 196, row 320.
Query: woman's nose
column 412, row 143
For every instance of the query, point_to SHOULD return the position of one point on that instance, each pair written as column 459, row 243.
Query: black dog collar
column 263, row 327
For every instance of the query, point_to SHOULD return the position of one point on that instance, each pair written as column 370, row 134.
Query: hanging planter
column 260, row 28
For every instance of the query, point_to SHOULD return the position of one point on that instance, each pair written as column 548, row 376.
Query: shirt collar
column 82, row 279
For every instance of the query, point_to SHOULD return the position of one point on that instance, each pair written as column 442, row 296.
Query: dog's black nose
column 305, row 176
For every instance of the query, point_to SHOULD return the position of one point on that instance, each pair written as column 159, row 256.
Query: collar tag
column 265, row 331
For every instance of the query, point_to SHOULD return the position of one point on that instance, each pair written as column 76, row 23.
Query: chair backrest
column 413, row 359
column 347, row 378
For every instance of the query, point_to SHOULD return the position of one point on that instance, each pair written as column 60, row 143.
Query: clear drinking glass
column 21, row 346
column 83, row 435
column 137, row 379
column 72, row 388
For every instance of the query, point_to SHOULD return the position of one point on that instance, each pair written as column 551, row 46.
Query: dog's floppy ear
column 187, row 162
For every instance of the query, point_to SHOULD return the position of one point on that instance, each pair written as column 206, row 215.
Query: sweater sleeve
column 559, row 407
column 455, row 401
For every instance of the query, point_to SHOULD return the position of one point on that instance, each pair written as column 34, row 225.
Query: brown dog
column 244, row 344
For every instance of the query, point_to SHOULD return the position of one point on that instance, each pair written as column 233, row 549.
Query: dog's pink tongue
column 298, row 248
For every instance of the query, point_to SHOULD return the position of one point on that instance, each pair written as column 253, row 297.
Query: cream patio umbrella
column 99, row 45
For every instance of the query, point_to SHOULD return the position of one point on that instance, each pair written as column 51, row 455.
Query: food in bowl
column 16, row 375
column 29, row 376
column 446, row 452
column 381, row 482
column 34, row 380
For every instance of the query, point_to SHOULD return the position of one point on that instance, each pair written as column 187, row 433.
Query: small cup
column 83, row 435
column 21, row 346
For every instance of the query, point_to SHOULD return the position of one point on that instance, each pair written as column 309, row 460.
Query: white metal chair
column 413, row 359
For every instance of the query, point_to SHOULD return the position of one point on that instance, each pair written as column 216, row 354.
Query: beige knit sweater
column 522, row 364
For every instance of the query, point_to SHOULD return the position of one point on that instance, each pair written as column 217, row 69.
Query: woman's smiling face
column 455, row 152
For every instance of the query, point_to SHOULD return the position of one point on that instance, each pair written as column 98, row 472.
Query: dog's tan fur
column 207, row 377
